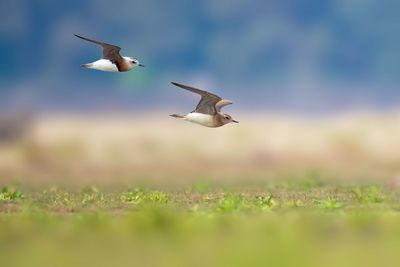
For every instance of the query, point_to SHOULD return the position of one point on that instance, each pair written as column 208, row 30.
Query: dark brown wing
column 110, row 51
column 207, row 101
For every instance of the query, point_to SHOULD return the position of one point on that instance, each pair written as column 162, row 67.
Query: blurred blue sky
column 285, row 55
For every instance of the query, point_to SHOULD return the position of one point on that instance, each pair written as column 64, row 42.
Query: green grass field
column 272, row 192
column 289, row 223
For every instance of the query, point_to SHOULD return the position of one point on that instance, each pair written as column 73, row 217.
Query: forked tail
column 177, row 116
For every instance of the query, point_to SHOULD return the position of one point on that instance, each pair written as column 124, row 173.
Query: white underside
column 102, row 64
column 200, row 118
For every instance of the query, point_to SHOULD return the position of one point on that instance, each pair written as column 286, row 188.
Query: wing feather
column 207, row 102
column 110, row 52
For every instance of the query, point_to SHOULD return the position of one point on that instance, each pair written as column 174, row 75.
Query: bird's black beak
column 141, row 65
column 235, row 121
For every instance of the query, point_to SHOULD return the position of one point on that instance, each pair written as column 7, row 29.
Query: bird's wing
column 207, row 101
column 222, row 103
column 110, row 52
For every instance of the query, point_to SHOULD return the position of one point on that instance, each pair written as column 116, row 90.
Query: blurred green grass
column 274, row 191
column 286, row 223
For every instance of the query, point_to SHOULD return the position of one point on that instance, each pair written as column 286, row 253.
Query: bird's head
column 225, row 118
column 135, row 62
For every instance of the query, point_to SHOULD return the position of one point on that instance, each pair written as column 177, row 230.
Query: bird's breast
column 202, row 119
column 104, row 65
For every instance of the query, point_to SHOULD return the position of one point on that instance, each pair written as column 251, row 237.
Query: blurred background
column 315, row 85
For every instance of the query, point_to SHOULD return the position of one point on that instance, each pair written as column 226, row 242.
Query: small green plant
column 157, row 197
column 231, row 202
column 265, row 202
column 55, row 197
column 91, row 194
column 136, row 197
column 369, row 195
column 10, row 194
column 329, row 204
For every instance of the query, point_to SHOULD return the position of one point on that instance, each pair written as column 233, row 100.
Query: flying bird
column 111, row 60
column 208, row 111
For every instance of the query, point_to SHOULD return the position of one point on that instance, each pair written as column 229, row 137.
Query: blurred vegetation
column 119, row 150
column 10, row 194
column 120, row 192
column 280, row 223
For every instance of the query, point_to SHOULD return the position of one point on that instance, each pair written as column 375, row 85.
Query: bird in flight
column 208, row 111
column 111, row 60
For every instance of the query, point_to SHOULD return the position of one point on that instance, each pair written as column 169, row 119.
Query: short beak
column 141, row 65
column 235, row 121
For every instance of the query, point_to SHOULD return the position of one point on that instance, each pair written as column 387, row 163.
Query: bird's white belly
column 104, row 65
column 200, row 118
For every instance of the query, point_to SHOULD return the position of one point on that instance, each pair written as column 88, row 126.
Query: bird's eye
column 227, row 118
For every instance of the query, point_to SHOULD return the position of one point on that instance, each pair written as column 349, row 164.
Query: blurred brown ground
column 138, row 148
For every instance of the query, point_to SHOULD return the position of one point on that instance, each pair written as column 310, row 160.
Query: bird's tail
column 86, row 65
column 177, row 116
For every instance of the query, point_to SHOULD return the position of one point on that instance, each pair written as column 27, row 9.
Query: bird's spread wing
column 207, row 101
column 222, row 103
column 110, row 52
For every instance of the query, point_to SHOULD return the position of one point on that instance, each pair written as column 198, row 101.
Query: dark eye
column 227, row 118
